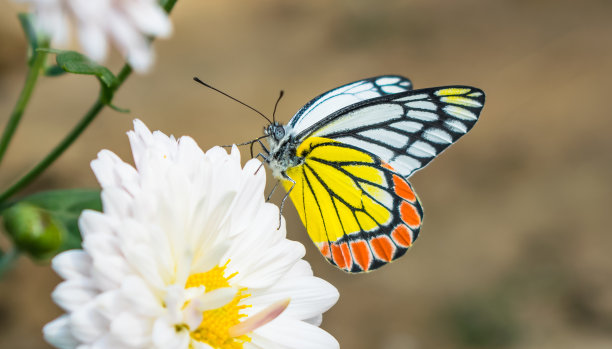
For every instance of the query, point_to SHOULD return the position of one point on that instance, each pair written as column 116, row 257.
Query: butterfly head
column 276, row 131
column 277, row 135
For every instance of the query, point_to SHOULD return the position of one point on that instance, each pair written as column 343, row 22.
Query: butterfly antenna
column 196, row 79
column 276, row 105
column 247, row 143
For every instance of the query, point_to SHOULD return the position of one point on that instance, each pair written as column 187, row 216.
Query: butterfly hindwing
column 341, row 97
column 357, row 209
column 406, row 130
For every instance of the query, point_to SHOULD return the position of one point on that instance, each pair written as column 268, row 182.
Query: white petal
column 289, row 333
column 58, row 333
column 140, row 56
column 133, row 330
column 309, row 296
column 165, row 336
column 316, row 320
column 54, row 21
column 111, row 303
column 149, row 18
column 87, row 324
column 72, row 264
column 200, row 345
column 72, row 294
column 301, row 268
column 269, row 266
column 250, row 198
column 214, row 299
column 92, row 222
column 140, row 138
column 116, row 202
column 105, row 342
column 93, row 39
column 141, row 297
column 104, row 166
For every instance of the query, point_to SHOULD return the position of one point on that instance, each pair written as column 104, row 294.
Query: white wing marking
column 422, row 150
column 405, row 164
column 455, row 126
column 344, row 96
column 407, row 126
column 437, row 135
column 378, row 150
column 422, row 115
column 422, row 105
column 412, row 98
column 394, row 139
column 379, row 195
column 387, row 80
column 362, row 117
column 460, row 113
column 392, row 89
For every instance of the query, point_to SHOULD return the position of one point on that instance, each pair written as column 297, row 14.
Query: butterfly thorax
column 283, row 146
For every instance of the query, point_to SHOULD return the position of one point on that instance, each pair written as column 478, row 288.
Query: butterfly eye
column 279, row 133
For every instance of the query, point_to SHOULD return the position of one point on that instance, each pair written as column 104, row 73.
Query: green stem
column 33, row 73
column 55, row 153
column 66, row 142
column 7, row 259
column 74, row 133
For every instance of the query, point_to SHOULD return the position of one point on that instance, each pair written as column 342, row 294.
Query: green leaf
column 35, row 40
column 62, row 208
column 77, row 63
column 54, row 70
column 27, row 24
column 120, row 110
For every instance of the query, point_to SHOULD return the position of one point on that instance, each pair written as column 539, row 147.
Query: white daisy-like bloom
column 125, row 23
column 186, row 254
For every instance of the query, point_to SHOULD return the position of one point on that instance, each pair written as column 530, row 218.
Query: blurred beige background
column 515, row 248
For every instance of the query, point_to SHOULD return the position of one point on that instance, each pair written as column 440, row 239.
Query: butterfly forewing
column 357, row 209
column 409, row 129
column 330, row 102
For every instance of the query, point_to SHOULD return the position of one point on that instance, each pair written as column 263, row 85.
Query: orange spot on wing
column 362, row 255
column 403, row 189
column 410, row 215
column 383, row 248
column 347, row 255
column 401, row 236
column 324, row 248
column 337, row 256
column 387, row 166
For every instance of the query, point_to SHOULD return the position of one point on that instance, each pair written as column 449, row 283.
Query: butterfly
column 344, row 159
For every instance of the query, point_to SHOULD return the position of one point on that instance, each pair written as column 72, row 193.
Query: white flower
column 185, row 255
column 126, row 23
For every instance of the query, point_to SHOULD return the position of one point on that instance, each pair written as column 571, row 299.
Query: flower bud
column 33, row 229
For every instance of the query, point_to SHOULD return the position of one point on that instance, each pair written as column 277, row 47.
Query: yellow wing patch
column 346, row 199
column 335, row 154
column 452, row 91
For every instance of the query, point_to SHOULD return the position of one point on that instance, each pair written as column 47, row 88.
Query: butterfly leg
column 272, row 192
column 264, row 157
column 258, row 140
column 285, row 198
column 252, row 149
column 263, row 146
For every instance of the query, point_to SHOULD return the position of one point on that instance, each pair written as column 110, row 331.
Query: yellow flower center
column 215, row 325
